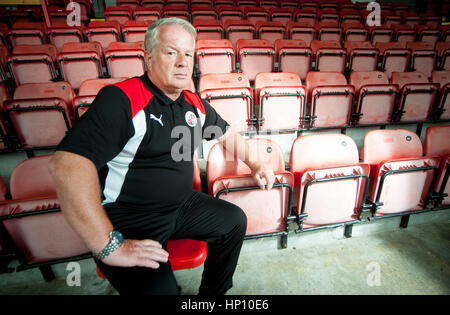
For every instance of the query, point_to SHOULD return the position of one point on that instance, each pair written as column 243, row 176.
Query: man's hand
column 264, row 176
column 142, row 253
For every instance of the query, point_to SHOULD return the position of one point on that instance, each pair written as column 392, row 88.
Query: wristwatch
column 115, row 241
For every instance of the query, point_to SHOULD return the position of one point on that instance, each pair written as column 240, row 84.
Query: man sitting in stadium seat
column 124, row 173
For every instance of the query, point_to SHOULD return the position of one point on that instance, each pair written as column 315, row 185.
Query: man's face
column 170, row 64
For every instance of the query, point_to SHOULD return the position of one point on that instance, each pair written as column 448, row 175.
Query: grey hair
column 151, row 36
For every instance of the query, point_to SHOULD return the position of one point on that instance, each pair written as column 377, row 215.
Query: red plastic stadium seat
column 394, row 57
column 437, row 143
column 271, row 31
column 134, row 31
column 375, row 97
column 423, row 57
column 417, row 96
column 125, row 59
column 293, row 56
column 330, row 99
column 442, row 110
column 329, row 56
column 209, row 29
column 402, row 177
column 280, row 99
column 231, row 96
column 35, row 222
column 254, row 56
column 230, row 179
column 236, row 29
column 362, row 56
column 103, row 32
column 214, row 56
column 330, row 168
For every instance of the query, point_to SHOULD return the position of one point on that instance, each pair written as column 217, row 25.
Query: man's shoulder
column 195, row 100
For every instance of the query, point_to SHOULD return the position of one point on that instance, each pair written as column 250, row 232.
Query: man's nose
column 182, row 60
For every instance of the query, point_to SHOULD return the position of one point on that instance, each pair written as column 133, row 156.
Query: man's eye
column 171, row 53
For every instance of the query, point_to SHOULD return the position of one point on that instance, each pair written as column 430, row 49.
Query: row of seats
column 42, row 63
column 395, row 175
column 75, row 63
column 277, row 102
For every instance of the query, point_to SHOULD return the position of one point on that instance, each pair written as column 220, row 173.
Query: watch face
column 119, row 236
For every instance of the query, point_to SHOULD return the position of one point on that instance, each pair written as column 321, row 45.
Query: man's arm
column 234, row 143
column 78, row 190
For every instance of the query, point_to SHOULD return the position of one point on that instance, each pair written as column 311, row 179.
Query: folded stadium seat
column 152, row 3
column 61, row 33
column 293, row 56
column 300, row 31
column 125, row 59
column 350, row 16
column 214, row 56
column 26, row 33
column 88, row 91
column 436, row 143
column 209, row 29
column 332, row 169
column 329, row 56
column 230, row 179
column 431, row 20
column 184, row 253
column 427, row 33
column 375, row 98
column 391, row 19
column 270, row 31
column 417, row 96
column 443, row 51
column 34, row 221
column 80, row 61
column 236, row 29
column 59, row 89
column 442, row 109
column 402, row 177
column 280, row 101
column 354, row 32
column 394, row 57
column 119, row 14
column 290, row 4
column 328, row 31
column 305, row 16
column 229, row 12
column 404, row 33
column 445, row 32
column 179, row 10
column 254, row 56
column 254, row 14
column 133, row 4
column 32, row 63
column 362, row 56
column 380, row 34
column 282, row 15
column 423, row 57
column 330, row 100
column 104, row 32
column 309, row 5
column 203, row 11
column 57, row 14
column 147, row 14
column 231, row 96
column 134, row 31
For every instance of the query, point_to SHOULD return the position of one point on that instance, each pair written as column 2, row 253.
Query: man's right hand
column 142, row 253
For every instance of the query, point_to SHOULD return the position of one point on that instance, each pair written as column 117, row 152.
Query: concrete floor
column 380, row 258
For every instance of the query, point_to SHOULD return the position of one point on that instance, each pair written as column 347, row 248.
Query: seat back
column 402, row 177
column 362, row 56
column 330, row 99
column 417, row 96
column 293, row 56
column 271, row 30
column 103, row 32
column 231, row 96
column 331, row 168
column 134, row 31
column 394, row 57
column 280, row 99
column 31, row 67
column 77, row 67
column 62, row 33
column 442, row 110
column 329, row 56
column 209, row 29
column 230, row 179
column 43, row 235
column 255, row 56
column 39, row 122
column 125, row 59
column 436, row 143
column 214, row 56
column 423, row 57
column 375, row 97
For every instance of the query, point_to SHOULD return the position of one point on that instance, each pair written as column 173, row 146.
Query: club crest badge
column 191, row 119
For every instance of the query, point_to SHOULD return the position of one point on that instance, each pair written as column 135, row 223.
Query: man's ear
column 148, row 58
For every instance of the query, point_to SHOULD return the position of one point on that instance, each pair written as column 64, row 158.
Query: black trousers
column 220, row 223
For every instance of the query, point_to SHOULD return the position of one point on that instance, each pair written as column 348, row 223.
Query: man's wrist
column 115, row 242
